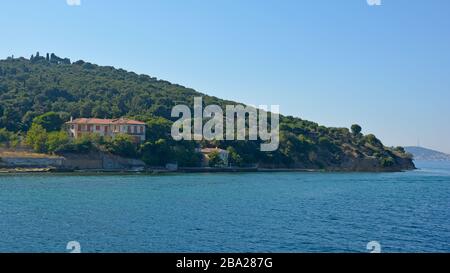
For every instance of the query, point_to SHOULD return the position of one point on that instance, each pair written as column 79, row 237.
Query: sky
column 335, row 62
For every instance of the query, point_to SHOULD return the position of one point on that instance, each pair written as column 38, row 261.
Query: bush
column 235, row 159
column 37, row 138
column 156, row 153
column 122, row 145
column 387, row 162
column 214, row 160
column 5, row 135
column 356, row 129
column 83, row 145
column 373, row 140
column 56, row 141
column 50, row 121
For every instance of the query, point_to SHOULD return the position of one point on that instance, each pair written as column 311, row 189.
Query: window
column 106, row 129
column 79, row 128
column 97, row 128
column 129, row 129
column 135, row 129
column 142, row 129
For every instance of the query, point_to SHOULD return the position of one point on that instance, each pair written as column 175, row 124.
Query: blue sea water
column 248, row 212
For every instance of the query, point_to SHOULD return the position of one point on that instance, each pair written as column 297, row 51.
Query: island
column 125, row 123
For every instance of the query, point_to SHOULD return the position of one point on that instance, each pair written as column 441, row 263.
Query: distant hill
column 420, row 153
column 32, row 87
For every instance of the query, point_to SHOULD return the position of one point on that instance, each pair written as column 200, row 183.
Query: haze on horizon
column 333, row 62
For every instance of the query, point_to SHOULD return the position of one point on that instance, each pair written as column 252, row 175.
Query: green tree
column 185, row 155
column 387, row 162
column 214, row 159
column 158, row 128
column 356, row 129
column 373, row 140
column 5, row 135
column 122, row 145
column 37, row 138
column 234, row 158
column 57, row 140
column 156, row 153
column 50, row 121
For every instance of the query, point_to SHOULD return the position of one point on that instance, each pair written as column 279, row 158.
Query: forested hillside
column 53, row 86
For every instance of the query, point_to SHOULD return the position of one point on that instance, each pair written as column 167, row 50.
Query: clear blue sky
column 336, row 62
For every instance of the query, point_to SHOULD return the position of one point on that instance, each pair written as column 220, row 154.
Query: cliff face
column 371, row 164
column 367, row 162
column 29, row 88
column 349, row 162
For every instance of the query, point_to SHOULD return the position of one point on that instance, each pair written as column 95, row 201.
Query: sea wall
column 69, row 161
column 34, row 162
column 100, row 161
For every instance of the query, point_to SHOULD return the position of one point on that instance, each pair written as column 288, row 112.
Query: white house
column 223, row 154
column 107, row 127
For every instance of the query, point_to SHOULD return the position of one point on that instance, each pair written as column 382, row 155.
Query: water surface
column 252, row 212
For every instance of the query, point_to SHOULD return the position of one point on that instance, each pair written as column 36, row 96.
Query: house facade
column 107, row 128
column 206, row 152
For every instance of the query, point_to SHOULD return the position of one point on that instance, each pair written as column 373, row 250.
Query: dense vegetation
column 39, row 94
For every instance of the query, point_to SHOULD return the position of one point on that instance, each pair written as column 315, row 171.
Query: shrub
column 122, row 145
column 37, row 138
column 373, row 140
column 387, row 162
column 50, row 121
column 214, row 159
column 356, row 129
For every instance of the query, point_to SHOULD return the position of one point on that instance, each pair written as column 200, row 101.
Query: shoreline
column 156, row 171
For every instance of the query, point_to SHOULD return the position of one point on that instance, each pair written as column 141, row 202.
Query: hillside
column 425, row 154
column 32, row 87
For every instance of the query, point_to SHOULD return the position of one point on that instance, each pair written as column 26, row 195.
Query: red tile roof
column 105, row 121
column 211, row 150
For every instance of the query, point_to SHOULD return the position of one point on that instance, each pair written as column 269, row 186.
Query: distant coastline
column 421, row 153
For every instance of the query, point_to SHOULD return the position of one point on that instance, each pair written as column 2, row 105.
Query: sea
column 292, row 212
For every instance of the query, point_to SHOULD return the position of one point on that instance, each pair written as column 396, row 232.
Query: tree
column 356, row 129
column 159, row 127
column 214, row 159
column 185, row 154
column 9, row 139
column 50, row 121
column 37, row 138
column 387, row 162
column 86, row 109
column 234, row 158
column 5, row 135
column 156, row 153
column 122, row 145
column 373, row 140
column 57, row 140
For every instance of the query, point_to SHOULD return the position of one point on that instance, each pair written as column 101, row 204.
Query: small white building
column 107, row 127
column 223, row 154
